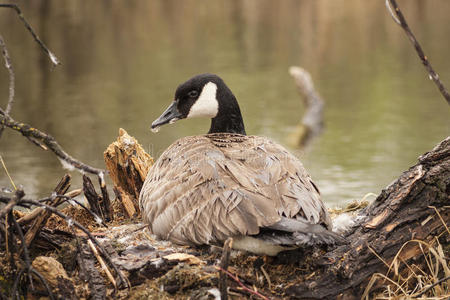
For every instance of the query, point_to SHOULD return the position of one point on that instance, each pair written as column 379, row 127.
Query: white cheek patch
column 206, row 104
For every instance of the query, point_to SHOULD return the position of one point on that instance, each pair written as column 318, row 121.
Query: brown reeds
column 427, row 280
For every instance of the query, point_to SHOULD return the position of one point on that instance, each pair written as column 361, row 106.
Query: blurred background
column 122, row 60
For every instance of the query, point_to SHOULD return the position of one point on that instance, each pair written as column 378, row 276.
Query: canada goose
column 204, row 189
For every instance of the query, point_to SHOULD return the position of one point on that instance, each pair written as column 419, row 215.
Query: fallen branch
column 102, row 264
column 398, row 17
column 235, row 278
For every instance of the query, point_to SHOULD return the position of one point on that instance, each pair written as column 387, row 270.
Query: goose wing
column 204, row 189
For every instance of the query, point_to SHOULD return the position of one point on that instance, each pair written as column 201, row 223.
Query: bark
column 405, row 210
column 92, row 197
column 90, row 274
column 128, row 165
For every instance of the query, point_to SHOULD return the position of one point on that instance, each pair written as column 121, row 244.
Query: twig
column 224, row 266
column 16, row 283
column 33, row 214
column 6, row 200
column 8, row 66
column 13, row 202
column 102, row 263
column 47, row 140
column 26, row 254
column 235, row 278
column 400, row 19
column 47, row 287
column 7, row 173
column 68, row 197
column 43, row 216
column 267, row 277
column 52, row 56
column 440, row 217
column 432, row 286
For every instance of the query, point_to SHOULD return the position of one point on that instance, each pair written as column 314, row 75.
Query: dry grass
column 427, row 280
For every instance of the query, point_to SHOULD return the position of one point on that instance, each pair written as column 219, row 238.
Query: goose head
column 207, row 96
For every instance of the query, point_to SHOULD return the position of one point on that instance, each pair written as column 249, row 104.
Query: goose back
column 204, row 189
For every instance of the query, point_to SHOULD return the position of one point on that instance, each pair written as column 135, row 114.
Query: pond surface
column 122, row 60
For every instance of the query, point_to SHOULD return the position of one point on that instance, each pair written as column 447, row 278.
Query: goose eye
column 193, row 94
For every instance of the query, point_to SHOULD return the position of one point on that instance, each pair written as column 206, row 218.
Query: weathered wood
column 92, row 197
column 126, row 200
column 312, row 121
column 403, row 211
column 106, row 203
column 40, row 221
column 90, row 274
column 27, row 218
column 128, row 165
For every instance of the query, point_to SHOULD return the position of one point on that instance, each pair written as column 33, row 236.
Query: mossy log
column 415, row 206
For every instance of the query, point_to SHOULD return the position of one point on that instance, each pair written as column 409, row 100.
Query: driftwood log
column 407, row 209
column 312, row 122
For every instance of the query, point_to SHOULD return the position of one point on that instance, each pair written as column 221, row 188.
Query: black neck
column 229, row 118
column 232, row 124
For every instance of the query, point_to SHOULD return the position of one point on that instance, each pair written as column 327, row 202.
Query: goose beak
column 170, row 115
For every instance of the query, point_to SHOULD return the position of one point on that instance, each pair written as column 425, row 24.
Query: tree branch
column 8, row 66
column 50, row 54
column 400, row 19
column 45, row 141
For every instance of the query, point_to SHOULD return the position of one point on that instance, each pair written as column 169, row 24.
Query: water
column 122, row 60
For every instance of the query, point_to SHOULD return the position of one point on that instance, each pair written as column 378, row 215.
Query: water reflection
column 123, row 60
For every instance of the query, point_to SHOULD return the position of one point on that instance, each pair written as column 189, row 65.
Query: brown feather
column 204, row 189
